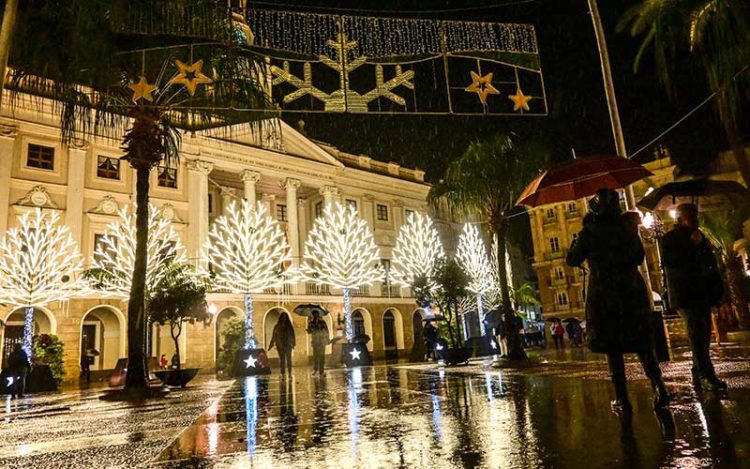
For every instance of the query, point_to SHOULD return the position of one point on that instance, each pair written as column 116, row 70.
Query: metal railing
column 314, row 289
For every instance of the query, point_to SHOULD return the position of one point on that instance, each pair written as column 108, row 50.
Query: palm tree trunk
column 512, row 336
column 735, row 142
column 137, row 375
column 734, row 274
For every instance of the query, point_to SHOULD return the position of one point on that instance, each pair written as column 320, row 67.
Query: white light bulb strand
column 340, row 250
column 250, row 342
column 472, row 255
column 348, row 315
column 248, row 250
column 417, row 249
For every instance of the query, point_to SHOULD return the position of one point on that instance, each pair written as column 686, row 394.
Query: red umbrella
column 581, row 178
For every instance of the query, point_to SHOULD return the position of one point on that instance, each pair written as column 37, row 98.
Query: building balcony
column 569, row 215
column 550, row 220
column 314, row 289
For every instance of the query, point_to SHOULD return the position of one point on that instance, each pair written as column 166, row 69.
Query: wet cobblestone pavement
column 555, row 414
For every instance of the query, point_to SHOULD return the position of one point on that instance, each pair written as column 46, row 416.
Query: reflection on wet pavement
column 552, row 415
column 419, row 416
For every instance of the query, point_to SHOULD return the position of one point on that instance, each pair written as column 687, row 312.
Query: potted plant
column 452, row 279
column 179, row 299
column 47, row 371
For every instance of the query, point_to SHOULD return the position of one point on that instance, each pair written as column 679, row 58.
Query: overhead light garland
column 113, row 261
column 247, row 251
column 40, row 263
column 472, row 255
column 341, row 252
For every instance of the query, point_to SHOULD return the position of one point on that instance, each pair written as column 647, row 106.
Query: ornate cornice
column 200, row 166
column 37, row 197
column 8, row 130
column 107, row 206
column 248, row 175
column 292, row 184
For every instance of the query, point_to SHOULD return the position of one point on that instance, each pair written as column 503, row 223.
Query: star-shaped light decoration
column 190, row 76
column 482, row 86
column 439, row 347
column 494, row 345
column 355, row 353
column 142, row 90
column 10, row 381
column 250, row 361
column 520, row 100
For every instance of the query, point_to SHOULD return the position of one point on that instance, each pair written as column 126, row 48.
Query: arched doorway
column 103, row 329
column 269, row 322
column 224, row 315
column 362, row 324
column 44, row 323
column 389, row 336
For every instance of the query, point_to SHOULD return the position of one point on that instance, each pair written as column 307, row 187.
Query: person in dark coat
column 694, row 286
column 318, row 329
column 86, row 366
column 284, row 340
column 617, row 303
column 18, row 364
column 430, row 334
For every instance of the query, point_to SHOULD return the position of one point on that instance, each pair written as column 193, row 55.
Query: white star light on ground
column 494, row 345
column 439, row 347
column 250, row 361
column 10, row 380
column 355, row 354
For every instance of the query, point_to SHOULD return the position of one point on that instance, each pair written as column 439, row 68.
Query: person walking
column 559, row 332
column 18, row 364
column 284, row 340
column 617, row 304
column 430, row 334
column 318, row 329
column 86, row 366
column 694, row 285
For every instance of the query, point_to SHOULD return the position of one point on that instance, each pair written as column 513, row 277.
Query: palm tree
column 723, row 229
column 137, row 68
column 524, row 295
column 485, row 183
column 716, row 34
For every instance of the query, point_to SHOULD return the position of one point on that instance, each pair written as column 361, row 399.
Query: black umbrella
column 707, row 194
column 493, row 319
column 552, row 319
column 361, row 339
column 437, row 317
column 306, row 310
column 571, row 320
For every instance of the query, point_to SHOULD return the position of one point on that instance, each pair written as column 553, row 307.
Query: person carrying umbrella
column 318, row 329
column 617, row 303
column 694, row 285
column 284, row 340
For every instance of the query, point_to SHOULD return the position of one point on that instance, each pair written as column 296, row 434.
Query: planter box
column 177, row 378
column 353, row 355
column 455, row 356
column 251, row 362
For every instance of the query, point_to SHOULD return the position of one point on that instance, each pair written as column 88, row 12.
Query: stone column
column 398, row 214
column 228, row 195
column 76, row 181
column 329, row 193
column 249, row 179
column 292, row 226
column 302, row 224
column 368, row 211
column 198, row 171
column 268, row 203
column 8, row 134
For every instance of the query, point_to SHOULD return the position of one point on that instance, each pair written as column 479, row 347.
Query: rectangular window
column 167, row 177
column 210, row 203
column 559, row 273
column 408, row 213
column 41, row 157
column 167, row 251
column 562, row 298
column 550, row 214
column 101, row 246
column 572, row 207
column 554, row 244
column 382, row 212
column 108, row 167
column 352, row 204
column 319, row 210
column 281, row 212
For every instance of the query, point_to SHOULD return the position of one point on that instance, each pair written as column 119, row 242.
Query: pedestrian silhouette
column 284, row 341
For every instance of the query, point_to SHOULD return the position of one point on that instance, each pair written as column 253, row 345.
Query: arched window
column 359, row 323
column 389, row 330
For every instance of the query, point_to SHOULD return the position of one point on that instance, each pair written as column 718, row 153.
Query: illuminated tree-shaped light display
column 417, row 250
column 247, row 250
column 39, row 263
column 472, row 255
column 341, row 252
column 493, row 299
column 113, row 261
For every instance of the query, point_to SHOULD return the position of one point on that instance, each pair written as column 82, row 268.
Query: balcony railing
column 317, row 290
column 572, row 214
column 390, row 291
column 363, row 290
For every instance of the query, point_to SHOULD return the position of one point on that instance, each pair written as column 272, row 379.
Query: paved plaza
column 555, row 414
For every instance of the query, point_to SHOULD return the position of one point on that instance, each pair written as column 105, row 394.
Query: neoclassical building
column 293, row 175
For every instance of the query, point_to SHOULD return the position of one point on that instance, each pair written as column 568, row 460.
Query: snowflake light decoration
column 247, row 251
column 341, row 252
column 113, row 261
column 39, row 263
column 472, row 255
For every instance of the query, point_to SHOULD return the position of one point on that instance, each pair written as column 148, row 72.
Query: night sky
column 578, row 115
